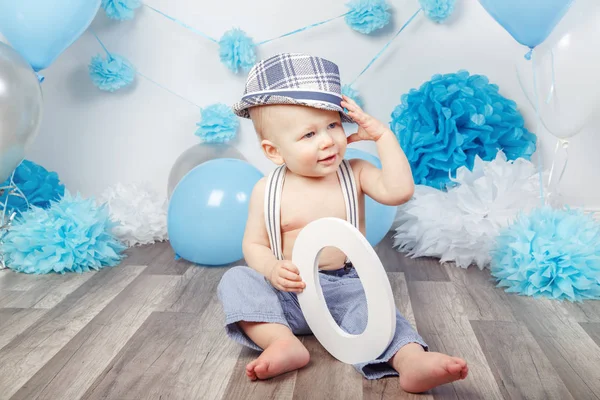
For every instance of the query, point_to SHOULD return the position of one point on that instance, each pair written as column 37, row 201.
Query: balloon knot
column 40, row 77
column 528, row 55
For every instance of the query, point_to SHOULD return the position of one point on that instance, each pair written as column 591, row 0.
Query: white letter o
column 381, row 324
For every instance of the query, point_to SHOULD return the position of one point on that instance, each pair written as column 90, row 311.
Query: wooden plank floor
column 151, row 329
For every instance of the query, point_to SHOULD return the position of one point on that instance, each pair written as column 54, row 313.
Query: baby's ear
column 271, row 151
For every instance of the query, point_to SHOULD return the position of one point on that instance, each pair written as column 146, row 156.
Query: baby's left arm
column 393, row 183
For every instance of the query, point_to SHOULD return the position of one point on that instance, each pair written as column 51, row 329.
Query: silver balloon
column 20, row 109
column 195, row 156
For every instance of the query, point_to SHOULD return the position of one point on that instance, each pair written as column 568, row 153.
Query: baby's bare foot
column 421, row 371
column 281, row 356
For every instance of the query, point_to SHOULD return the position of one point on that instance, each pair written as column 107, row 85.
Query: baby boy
column 296, row 106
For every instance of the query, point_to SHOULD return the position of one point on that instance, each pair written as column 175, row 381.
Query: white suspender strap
column 272, row 207
column 350, row 193
column 273, row 190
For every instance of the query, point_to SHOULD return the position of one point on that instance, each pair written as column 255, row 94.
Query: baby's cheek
column 307, row 156
column 342, row 142
column 307, row 164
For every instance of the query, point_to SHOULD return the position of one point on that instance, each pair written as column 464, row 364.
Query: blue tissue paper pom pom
column 366, row 16
column 437, row 10
column 551, row 253
column 349, row 91
column 236, row 50
column 37, row 184
column 120, row 9
column 73, row 235
column 112, row 73
column 218, row 124
column 454, row 118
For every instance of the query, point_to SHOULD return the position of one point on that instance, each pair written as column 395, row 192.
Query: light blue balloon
column 40, row 30
column 208, row 211
column 528, row 21
column 379, row 217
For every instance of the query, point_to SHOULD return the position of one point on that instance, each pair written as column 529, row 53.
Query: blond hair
column 257, row 115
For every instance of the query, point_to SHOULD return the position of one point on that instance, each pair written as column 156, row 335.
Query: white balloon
column 561, row 79
column 20, row 109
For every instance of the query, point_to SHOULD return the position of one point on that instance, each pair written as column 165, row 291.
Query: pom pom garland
column 437, row 10
column 367, row 16
column 112, row 73
column 218, row 124
column 120, row 9
column 237, row 50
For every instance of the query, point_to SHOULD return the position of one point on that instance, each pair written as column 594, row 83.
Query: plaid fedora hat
column 293, row 78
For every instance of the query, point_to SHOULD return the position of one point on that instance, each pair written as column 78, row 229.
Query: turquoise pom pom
column 550, row 253
column 37, row 184
column 112, row 73
column 452, row 119
column 120, row 9
column 218, row 124
column 237, row 50
column 73, row 235
column 437, row 10
column 366, row 16
column 348, row 90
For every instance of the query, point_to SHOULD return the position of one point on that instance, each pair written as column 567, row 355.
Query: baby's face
column 312, row 142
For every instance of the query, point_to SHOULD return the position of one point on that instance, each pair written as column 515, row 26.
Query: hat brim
column 241, row 108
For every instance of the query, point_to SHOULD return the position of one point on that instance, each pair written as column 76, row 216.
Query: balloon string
column 565, row 145
column 5, row 205
column 538, row 129
column 554, row 161
column 386, row 46
column 4, row 226
column 18, row 190
column 554, row 187
column 11, row 186
column 523, row 88
column 564, row 168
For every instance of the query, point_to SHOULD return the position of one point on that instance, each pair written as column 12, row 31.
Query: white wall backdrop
column 95, row 139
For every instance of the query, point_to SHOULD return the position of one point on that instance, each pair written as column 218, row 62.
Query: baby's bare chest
column 302, row 204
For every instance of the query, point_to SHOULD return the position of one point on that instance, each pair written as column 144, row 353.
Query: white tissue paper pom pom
column 141, row 214
column 461, row 225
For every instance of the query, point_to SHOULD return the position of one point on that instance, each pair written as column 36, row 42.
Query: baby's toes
column 460, row 361
column 453, row 367
column 464, row 372
column 251, row 365
column 262, row 369
column 250, row 370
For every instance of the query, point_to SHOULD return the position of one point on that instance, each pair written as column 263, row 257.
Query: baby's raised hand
column 285, row 276
column 369, row 127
